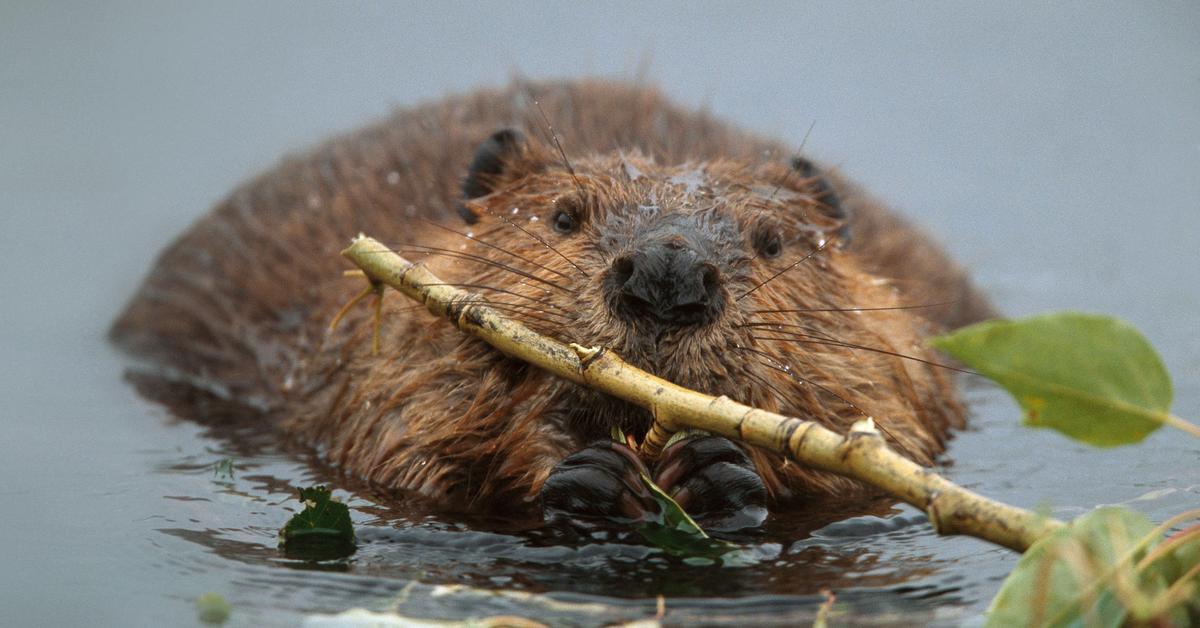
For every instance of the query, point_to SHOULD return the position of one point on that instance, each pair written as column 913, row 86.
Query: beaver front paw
column 714, row 480
column 711, row 477
column 601, row 482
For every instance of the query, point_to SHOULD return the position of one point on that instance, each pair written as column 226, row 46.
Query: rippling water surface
column 887, row 566
column 1054, row 150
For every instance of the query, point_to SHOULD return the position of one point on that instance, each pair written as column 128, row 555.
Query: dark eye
column 563, row 221
column 769, row 245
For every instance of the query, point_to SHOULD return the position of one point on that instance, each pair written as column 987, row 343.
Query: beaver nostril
column 638, row 306
column 631, row 289
column 711, row 278
column 688, row 313
column 622, row 270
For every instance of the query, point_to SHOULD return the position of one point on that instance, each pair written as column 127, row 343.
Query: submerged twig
column 862, row 454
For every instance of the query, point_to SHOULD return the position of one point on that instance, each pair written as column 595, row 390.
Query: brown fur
column 240, row 303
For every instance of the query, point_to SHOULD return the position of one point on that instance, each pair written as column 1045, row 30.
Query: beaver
column 594, row 212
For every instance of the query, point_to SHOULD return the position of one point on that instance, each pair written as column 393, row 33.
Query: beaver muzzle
column 667, row 278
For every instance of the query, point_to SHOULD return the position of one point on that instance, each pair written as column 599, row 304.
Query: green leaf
column 1093, row 378
column 1183, row 561
column 1186, row 554
column 223, row 469
column 1087, row 575
column 676, row 533
column 673, row 515
column 322, row 531
column 1110, row 567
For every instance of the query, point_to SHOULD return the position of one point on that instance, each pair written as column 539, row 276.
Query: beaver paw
column 714, row 480
column 710, row 477
column 601, row 482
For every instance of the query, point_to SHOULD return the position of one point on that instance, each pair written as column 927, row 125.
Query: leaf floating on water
column 223, row 469
column 322, row 531
column 1094, row 378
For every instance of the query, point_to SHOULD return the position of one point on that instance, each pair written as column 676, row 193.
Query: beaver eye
column 563, row 222
column 770, row 246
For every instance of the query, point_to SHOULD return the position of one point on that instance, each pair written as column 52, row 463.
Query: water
column 1054, row 149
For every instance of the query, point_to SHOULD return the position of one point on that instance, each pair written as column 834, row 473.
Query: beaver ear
column 824, row 193
column 492, row 159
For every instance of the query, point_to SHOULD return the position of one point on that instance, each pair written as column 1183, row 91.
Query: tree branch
column 862, row 454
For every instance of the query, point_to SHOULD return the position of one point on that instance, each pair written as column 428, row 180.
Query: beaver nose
column 668, row 283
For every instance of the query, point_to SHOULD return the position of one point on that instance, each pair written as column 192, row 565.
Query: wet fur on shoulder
column 239, row 305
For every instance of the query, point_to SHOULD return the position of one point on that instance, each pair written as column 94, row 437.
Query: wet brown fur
column 239, row 305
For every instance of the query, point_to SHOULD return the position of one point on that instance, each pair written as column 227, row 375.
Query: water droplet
column 821, row 242
column 533, row 219
column 470, row 234
column 514, row 211
column 393, row 177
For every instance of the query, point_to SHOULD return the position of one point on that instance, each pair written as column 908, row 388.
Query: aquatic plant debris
column 223, row 469
column 212, row 608
column 1094, row 378
column 322, row 531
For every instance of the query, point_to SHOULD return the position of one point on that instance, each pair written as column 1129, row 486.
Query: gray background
column 1054, row 148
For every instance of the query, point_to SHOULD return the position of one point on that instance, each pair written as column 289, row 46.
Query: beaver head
column 723, row 276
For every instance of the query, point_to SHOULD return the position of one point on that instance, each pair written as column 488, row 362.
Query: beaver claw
column 602, row 481
column 710, row 477
column 714, row 480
